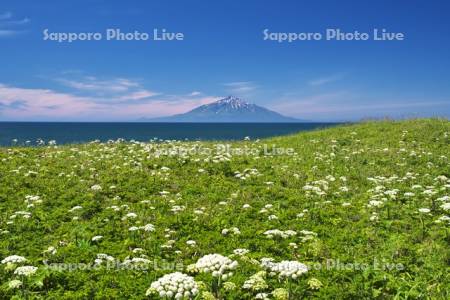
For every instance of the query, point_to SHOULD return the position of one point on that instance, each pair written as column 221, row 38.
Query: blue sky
column 223, row 53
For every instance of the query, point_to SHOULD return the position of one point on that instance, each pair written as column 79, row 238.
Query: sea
column 35, row 133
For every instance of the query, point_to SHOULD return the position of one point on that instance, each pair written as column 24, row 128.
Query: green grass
column 325, row 187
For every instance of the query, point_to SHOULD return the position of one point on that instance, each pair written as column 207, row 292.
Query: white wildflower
column 292, row 269
column 217, row 265
column 375, row 203
column 283, row 234
column 14, row 284
column 148, row 227
column 78, row 207
column 96, row 187
column 240, row 251
column 25, row 271
column 51, row 250
column 14, row 259
column 262, row 296
column 131, row 215
column 174, row 286
column 445, row 206
column 97, row 238
column 191, row 243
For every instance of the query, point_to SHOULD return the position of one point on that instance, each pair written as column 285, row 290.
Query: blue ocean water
column 64, row 133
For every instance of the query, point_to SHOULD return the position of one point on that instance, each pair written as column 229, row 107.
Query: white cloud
column 138, row 95
column 29, row 104
column 41, row 102
column 160, row 107
column 9, row 27
column 346, row 105
column 90, row 83
column 112, row 90
column 17, row 22
column 240, row 87
column 325, row 80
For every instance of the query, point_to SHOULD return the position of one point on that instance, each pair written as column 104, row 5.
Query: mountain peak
column 231, row 98
column 229, row 109
column 233, row 101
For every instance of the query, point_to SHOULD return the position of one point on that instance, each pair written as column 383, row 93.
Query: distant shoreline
column 33, row 133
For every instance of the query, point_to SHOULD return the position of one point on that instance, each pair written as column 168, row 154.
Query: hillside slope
column 365, row 208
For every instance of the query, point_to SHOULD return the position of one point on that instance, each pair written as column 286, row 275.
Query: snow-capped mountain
column 229, row 109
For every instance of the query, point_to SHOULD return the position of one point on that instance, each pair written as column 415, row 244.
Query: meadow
column 351, row 212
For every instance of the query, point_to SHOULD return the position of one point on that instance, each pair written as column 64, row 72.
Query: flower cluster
column 14, row 284
column 101, row 257
column 96, row 187
column 174, row 286
column 30, row 200
column 314, row 284
column 247, row 173
column 240, row 251
column 285, row 269
column 283, row 234
column 97, row 238
column 233, row 231
column 217, row 265
column 280, row 294
column 25, row 271
column 14, row 259
column 256, row 282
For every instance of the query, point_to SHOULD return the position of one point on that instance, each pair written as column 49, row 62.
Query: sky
column 223, row 52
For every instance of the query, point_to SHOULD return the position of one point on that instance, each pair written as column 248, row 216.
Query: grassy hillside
column 361, row 212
